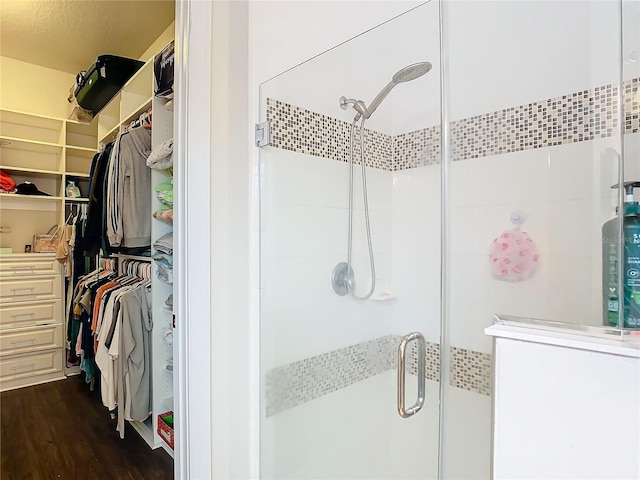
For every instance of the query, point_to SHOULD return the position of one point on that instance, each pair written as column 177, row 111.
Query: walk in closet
column 54, row 160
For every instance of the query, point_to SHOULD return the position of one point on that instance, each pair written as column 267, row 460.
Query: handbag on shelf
column 47, row 242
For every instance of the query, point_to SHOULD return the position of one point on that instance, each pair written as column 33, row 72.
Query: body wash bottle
column 630, row 267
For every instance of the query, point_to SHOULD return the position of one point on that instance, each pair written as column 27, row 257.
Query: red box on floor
column 165, row 427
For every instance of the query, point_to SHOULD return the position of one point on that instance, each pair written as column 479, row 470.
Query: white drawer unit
column 30, row 339
column 30, row 369
column 42, row 312
column 28, row 265
column 31, row 320
column 30, row 289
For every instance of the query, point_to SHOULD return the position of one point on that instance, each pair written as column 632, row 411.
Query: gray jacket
column 129, row 191
column 134, row 389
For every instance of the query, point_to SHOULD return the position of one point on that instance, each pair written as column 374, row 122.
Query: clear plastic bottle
column 72, row 190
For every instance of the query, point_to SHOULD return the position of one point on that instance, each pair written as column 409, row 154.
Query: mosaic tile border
column 470, row 370
column 574, row 117
column 299, row 382
column 416, row 149
column 298, row 130
column 632, row 106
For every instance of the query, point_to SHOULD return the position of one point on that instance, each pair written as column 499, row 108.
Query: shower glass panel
column 535, row 147
column 329, row 361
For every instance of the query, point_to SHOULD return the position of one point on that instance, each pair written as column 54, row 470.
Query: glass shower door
column 333, row 340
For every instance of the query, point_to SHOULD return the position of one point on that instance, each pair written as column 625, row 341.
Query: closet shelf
column 76, row 199
column 40, row 198
column 31, row 119
column 18, row 170
column 124, row 256
column 110, row 135
column 81, row 149
column 136, row 112
column 30, row 145
column 77, row 174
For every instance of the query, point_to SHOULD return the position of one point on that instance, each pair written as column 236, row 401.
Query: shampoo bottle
column 631, row 263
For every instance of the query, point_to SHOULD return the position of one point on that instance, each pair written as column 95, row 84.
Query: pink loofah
column 514, row 256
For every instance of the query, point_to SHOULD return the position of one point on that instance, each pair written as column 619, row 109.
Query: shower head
column 408, row 73
column 411, row 72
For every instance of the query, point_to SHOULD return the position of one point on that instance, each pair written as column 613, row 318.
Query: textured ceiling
column 68, row 35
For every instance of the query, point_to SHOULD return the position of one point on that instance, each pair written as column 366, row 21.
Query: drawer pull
column 23, row 367
column 23, row 270
column 23, row 342
column 21, row 315
column 14, row 290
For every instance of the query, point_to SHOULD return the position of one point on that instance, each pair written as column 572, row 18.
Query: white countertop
column 549, row 335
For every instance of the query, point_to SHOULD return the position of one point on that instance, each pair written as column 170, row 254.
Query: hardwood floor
column 61, row 430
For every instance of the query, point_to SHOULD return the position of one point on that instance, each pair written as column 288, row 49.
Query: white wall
column 159, row 43
column 500, row 57
column 34, row 89
column 30, row 88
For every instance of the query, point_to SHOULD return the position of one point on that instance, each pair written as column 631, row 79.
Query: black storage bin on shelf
column 104, row 79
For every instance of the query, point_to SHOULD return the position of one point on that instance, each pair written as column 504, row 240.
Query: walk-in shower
column 449, row 158
column 343, row 276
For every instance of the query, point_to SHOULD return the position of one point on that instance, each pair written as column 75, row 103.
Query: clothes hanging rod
column 124, row 256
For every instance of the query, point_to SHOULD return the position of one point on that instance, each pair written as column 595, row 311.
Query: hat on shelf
column 28, row 188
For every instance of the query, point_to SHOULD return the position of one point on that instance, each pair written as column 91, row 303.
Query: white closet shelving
column 47, row 152
column 135, row 98
column 51, row 151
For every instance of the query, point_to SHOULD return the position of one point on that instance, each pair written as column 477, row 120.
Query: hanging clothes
column 128, row 193
column 114, row 312
column 94, row 230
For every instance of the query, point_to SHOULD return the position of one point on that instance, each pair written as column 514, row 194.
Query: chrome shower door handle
column 402, row 358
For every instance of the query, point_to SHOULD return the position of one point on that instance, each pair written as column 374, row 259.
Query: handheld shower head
column 408, row 73
column 411, row 72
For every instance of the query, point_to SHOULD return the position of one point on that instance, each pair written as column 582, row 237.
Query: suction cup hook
column 518, row 218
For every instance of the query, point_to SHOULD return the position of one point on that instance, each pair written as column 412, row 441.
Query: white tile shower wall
column 303, row 236
column 416, row 249
column 355, row 69
column 485, row 36
column 554, row 188
column 324, row 438
column 468, row 435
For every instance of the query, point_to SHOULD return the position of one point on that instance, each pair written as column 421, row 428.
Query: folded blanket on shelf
column 164, row 244
column 161, row 157
column 164, row 215
column 164, row 192
column 164, row 265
